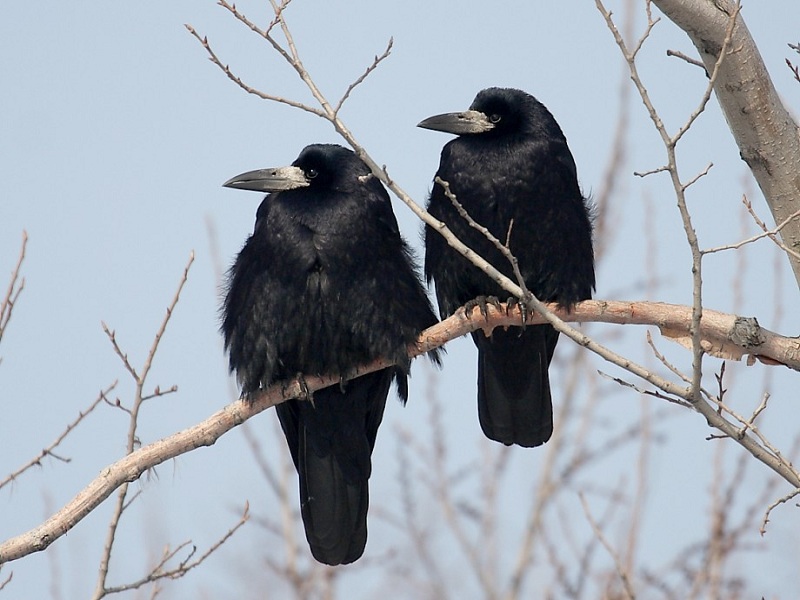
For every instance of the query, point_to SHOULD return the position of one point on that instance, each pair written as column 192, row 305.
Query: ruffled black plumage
column 512, row 171
column 325, row 284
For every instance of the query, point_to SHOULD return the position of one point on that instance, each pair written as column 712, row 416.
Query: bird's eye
column 311, row 173
column 494, row 118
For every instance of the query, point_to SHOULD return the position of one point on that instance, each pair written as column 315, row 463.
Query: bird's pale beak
column 469, row 121
column 269, row 180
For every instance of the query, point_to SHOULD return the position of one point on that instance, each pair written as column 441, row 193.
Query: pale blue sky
column 115, row 136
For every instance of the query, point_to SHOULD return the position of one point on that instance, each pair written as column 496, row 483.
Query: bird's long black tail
column 334, row 509
column 514, row 404
column 331, row 442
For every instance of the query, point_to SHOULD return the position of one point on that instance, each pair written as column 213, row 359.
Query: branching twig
column 49, row 451
column 621, row 571
column 792, row 67
column 646, row 392
column 161, row 570
column 251, row 90
column 360, row 80
column 769, row 232
column 764, row 130
column 15, row 287
column 121, row 504
column 782, row 500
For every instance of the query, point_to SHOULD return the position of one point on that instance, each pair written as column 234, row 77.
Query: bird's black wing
column 252, row 311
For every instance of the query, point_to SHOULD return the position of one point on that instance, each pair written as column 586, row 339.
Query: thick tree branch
column 764, row 130
column 720, row 331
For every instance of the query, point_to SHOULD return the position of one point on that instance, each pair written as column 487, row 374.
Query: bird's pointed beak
column 469, row 121
column 269, row 180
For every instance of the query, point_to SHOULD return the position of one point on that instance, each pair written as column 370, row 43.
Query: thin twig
column 15, row 287
column 251, row 90
column 121, row 504
column 792, row 67
column 112, row 337
column 623, row 574
column 159, row 334
column 748, row 205
column 663, row 359
column 160, row 571
column 49, row 450
column 6, row 581
column 644, row 391
column 782, row 500
column 695, row 179
column 378, row 60
column 688, row 59
column 770, row 233
column 503, row 248
column 661, row 169
column 762, row 406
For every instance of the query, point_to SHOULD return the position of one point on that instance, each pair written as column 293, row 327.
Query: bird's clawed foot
column 514, row 302
column 305, row 391
column 345, row 377
column 482, row 303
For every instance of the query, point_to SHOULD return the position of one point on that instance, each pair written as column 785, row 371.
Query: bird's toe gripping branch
column 482, row 303
column 305, row 392
column 514, row 302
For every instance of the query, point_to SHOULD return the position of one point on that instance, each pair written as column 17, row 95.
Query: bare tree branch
column 717, row 328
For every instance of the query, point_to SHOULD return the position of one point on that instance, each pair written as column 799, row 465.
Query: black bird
column 325, row 284
column 512, row 171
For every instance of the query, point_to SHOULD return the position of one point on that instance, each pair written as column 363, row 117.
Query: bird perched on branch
column 325, row 284
column 512, row 171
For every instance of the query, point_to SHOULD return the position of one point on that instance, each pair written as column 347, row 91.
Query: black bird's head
column 319, row 166
column 498, row 112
